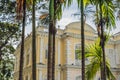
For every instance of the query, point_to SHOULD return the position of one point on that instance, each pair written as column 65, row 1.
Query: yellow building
column 67, row 66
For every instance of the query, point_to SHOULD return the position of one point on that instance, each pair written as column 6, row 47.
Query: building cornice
column 73, row 35
column 115, row 69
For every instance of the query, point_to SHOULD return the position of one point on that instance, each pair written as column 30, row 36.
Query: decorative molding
column 74, row 35
column 45, row 34
column 115, row 69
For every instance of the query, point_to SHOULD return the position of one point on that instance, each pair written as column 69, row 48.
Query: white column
column 28, row 76
column 41, row 49
column 68, row 75
column 40, row 75
column 59, row 52
column 58, row 75
column 68, row 52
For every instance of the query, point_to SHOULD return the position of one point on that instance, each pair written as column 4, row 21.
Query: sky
column 68, row 18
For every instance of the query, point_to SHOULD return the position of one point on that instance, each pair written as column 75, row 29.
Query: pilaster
column 59, row 78
column 40, row 75
column 41, row 50
column 68, row 52
column 68, row 75
column 59, row 52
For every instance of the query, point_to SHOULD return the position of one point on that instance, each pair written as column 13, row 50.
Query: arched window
column 77, row 54
column 77, row 51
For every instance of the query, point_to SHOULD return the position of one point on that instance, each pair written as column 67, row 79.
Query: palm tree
column 45, row 17
column 22, row 4
column 106, row 17
column 33, row 42
column 50, row 41
column 21, row 11
column 55, row 13
column 82, row 5
column 54, row 33
column 93, row 53
column 82, row 40
column 103, row 64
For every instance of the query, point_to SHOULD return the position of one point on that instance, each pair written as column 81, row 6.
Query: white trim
column 40, row 75
column 67, row 51
column 41, row 50
column 28, row 76
column 68, row 75
column 59, row 52
column 58, row 75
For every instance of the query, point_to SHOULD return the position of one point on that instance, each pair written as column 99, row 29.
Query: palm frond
column 108, row 14
column 110, row 75
column 94, row 52
column 91, row 70
column 67, row 3
column 85, row 2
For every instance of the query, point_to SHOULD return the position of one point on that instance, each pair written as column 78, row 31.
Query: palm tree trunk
column 82, row 40
column 50, row 51
column 54, row 33
column 50, row 41
column 99, row 34
column 102, row 43
column 22, row 43
column 53, row 60
column 101, row 69
column 33, row 43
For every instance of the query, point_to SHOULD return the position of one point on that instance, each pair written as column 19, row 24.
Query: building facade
column 67, row 66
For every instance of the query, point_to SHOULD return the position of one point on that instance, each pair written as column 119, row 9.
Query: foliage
column 44, row 17
column 9, row 35
column 6, row 65
column 94, row 54
column 107, row 13
column 7, row 10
